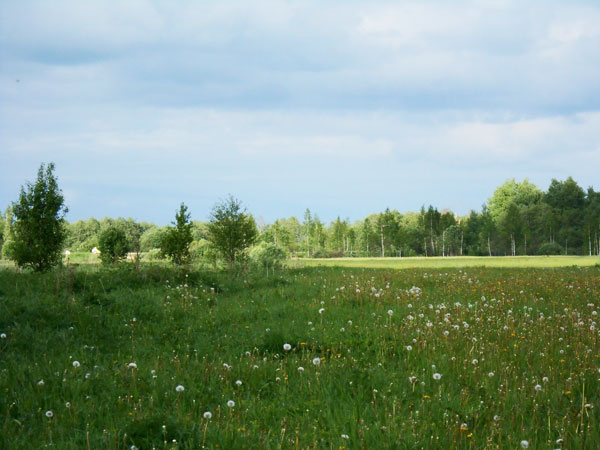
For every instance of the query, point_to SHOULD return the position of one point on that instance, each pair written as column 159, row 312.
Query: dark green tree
column 39, row 230
column 175, row 244
column 231, row 230
column 113, row 244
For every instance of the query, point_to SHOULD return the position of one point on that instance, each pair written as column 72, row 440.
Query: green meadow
column 149, row 356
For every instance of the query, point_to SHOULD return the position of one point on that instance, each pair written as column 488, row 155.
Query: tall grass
column 104, row 351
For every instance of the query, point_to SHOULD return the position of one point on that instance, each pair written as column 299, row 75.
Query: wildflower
column 49, row 414
column 321, row 310
column 41, row 383
column 230, row 403
column 496, row 418
column 345, row 436
column 316, row 361
column 538, row 387
column 3, row 336
column 300, row 369
column 491, row 374
column 409, row 347
column 475, row 362
column 238, row 382
column 68, row 404
column 132, row 365
column 524, row 444
column 412, row 379
column 76, row 364
column 390, row 312
column 180, row 388
column 287, row 347
column 437, row 376
column 464, row 427
column 545, row 379
column 207, row 415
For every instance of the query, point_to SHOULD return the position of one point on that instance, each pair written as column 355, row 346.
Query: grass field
column 156, row 357
column 451, row 262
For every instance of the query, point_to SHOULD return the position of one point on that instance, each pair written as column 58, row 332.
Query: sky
column 345, row 107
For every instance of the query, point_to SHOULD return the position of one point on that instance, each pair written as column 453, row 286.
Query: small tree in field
column 175, row 244
column 112, row 244
column 231, row 230
column 39, row 231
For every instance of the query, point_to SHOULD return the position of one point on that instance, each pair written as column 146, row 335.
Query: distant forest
column 519, row 219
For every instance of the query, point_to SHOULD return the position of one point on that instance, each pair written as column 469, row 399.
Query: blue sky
column 344, row 107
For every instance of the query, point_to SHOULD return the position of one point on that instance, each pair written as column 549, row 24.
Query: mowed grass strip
column 155, row 357
column 439, row 262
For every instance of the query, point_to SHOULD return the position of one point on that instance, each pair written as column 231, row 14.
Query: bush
column 550, row 248
column 8, row 251
column 267, row 255
column 112, row 244
column 175, row 243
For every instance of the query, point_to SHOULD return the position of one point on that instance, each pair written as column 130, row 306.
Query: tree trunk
column 489, row 246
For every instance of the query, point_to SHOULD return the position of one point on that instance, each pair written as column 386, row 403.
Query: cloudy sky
column 345, row 107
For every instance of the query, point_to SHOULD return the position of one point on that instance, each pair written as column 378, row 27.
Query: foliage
column 550, row 248
column 38, row 231
column 175, row 244
column 269, row 256
column 113, row 245
column 230, row 230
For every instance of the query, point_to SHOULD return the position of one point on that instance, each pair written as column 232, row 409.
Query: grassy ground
column 452, row 262
column 92, row 358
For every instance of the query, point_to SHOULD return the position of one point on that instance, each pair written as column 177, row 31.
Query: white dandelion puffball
column 49, row 414
column 491, row 374
column 316, row 361
column 132, row 365
column 238, row 382
column 180, row 388
column 287, row 347
column 68, row 404
column 207, row 415
column 412, row 379
column 76, row 364
column 409, row 347
column 475, row 362
column 3, row 336
column 41, row 383
column 390, row 312
column 230, row 403
column 300, row 369
column 321, row 310
column 524, row 444
column 538, row 387
column 345, row 436
column 437, row 376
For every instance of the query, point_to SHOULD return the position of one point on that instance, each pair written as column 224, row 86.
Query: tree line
column 518, row 219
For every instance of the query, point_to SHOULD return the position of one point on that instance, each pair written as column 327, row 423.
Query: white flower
column 180, row 388
column 3, row 336
column 67, row 252
column 300, row 369
column 207, row 415
column 545, row 379
column 49, row 414
column 437, row 376
column 132, row 365
column 475, row 362
column 238, row 382
column 412, row 379
column 68, row 404
column 496, row 418
column 316, row 361
column 525, row 444
column 41, row 383
column 345, row 436
column 230, row 403
column 76, row 364
column 321, row 310
column 409, row 347
column 287, row 347
column 538, row 387
column 491, row 374
column 390, row 312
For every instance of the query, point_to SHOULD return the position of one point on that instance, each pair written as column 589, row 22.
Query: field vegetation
column 154, row 356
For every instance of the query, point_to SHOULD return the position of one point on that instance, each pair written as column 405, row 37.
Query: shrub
column 550, row 248
column 267, row 255
column 175, row 244
column 112, row 244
